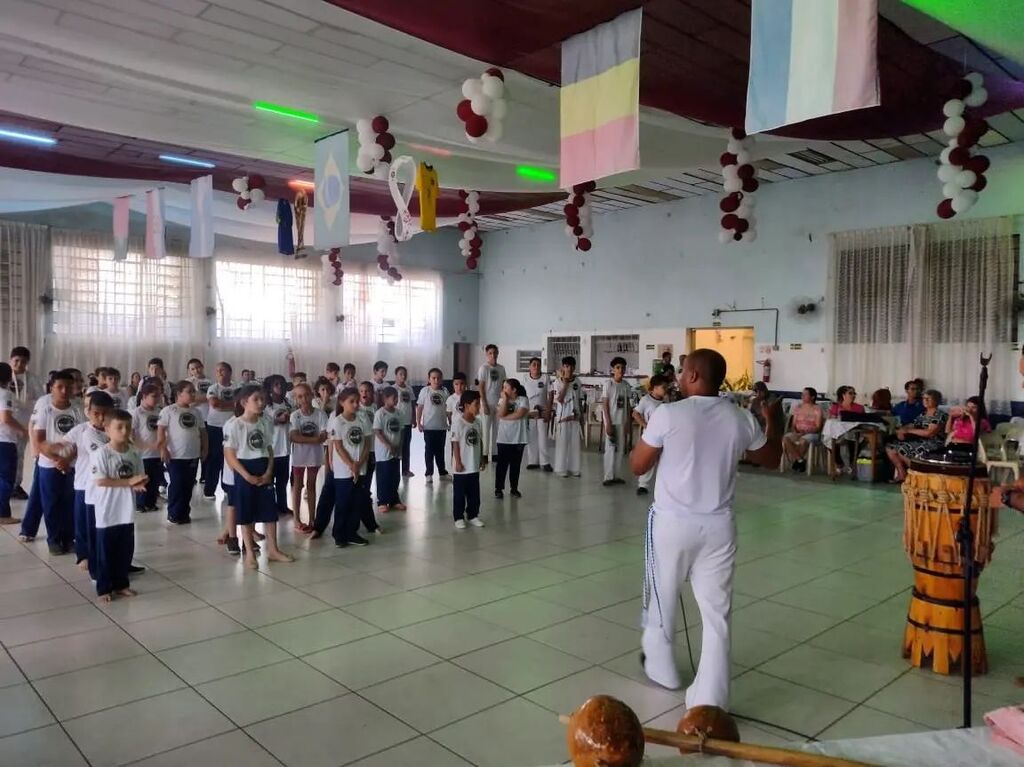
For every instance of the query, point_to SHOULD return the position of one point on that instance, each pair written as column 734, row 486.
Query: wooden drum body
column 933, row 506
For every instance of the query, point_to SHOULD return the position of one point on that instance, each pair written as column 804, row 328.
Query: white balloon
column 944, row 161
column 463, row 218
column 966, row 178
column 364, row 163
column 953, row 143
column 947, row 173
column 750, row 235
column 472, row 139
column 492, row 86
column 975, row 78
column 978, row 97
column 240, row 184
column 499, row 108
column 734, row 146
column 481, row 104
column 494, row 130
column 953, row 108
column 950, row 189
column 750, row 200
column 747, row 142
column 953, row 126
column 742, row 158
column 364, row 126
column 471, row 88
column 474, row 195
column 467, row 235
column 732, row 185
column 257, row 195
column 751, row 222
column 474, row 208
column 568, row 231
column 246, row 195
column 962, row 203
column 380, row 171
column 725, row 235
column 730, row 171
column 377, row 151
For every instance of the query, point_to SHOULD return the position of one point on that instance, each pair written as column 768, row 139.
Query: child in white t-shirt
column 220, row 398
column 12, row 432
column 451, row 407
column 467, row 457
column 513, row 426
column 197, row 377
column 387, row 430
column 183, row 444
column 146, row 439
column 405, row 412
column 615, row 416
column 350, row 444
column 308, row 434
column 87, row 438
column 279, row 413
column 54, row 416
column 489, row 379
column 432, row 421
column 538, row 390
column 568, row 410
column 380, row 370
column 657, row 391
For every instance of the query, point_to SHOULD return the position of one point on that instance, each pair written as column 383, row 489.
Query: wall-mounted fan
column 805, row 308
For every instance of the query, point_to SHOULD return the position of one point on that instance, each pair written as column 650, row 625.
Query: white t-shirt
column 328, row 407
column 648, row 405
column 225, row 394
column 537, row 390
column 367, row 412
column 26, row 389
column 352, row 435
column 120, row 397
column 570, row 407
column 391, row 424
column 451, row 407
column 250, row 439
column 183, row 425
column 433, row 403
column 312, row 425
column 202, row 387
column 87, row 439
column 617, row 397
column 57, row 423
column 470, row 440
column 280, row 438
column 702, row 440
column 114, row 505
column 405, row 404
column 144, row 423
column 515, row 432
column 227, row 474
column 7, row 434
column 491, row 378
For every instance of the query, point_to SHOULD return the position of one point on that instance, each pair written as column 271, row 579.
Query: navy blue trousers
column 433, row 451
column 406, row 442
column 85, row 531
column 115, row 547
column 57, row 493
column 281, row 483
column 8, row 475
column 388, row 477
column 466, row 495
column 154, row 469
column 33, row 507
column 179, row 490
column 214, row 459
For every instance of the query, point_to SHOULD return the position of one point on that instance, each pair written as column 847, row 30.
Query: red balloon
column 583, row 244
column 577, row 231
column 380, row 124
column 591, row 186
column 572, row 220
column 386, row 158
column 945, row 209
column 386, row 140
column 242, row 204
column 474, row 252
column 337, row 280
column 742, row 225
column 476, row 242
column 959, row 156
column 570, row 210
column 463, row 226
column 750, row 185
column 476, row 126
column 393, row 271
column 382, row 258
column 978, row 126
column 726, row 159
column 497, row 73
column 471, row 263
column 579, row 201
column 966, row 139
column 729, row 221
column 729, row 203
column 737, row 236
column 256, row 181
column 463, row 194
column 384, row 266
column 745, row 171
column 739, row 133
column 332, row 257
column 579, row 188
column 464, row 110
column 979, row 163
column 979, row 184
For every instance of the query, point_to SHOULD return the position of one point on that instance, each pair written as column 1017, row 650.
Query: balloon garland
column 962, row 175
column 739, row 182
column 250, row 190
column 471, row 242
column 334, row 264
column 387, row 249
column 578, row 215
column 375, row 145
column 483, row 107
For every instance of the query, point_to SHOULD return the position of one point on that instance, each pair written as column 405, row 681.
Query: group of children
column 106, row 451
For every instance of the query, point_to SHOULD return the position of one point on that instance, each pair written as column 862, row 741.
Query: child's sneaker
column 233, row 547
column 460, row 524
column 476, row 522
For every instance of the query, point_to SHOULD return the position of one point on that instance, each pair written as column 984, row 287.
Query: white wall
column 662, row 266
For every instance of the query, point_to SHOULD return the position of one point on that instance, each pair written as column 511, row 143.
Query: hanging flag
column 285, row 242
column 330, row 173
column 600, row 101
column 155, row 245
column 200, row 241
column 810, row 58
column 122, row 215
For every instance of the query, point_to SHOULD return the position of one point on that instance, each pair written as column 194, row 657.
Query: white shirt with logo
column 8, row 434
column 280, row 439
column 515, row 432
column 87, row 439
column 702, row 440
column 184, row 426
column 114, row 505
column 352, row 436
column 491, row 378
column 570, row 406
column 390, row 423
column 250, row 439
column 470, row 440
column 312, row 425
column 617, row 397
column 202, row 387
column 405, row 404
column 226, row 394
column 537, row 391
column 144, row 423
column 56, row 422
column 433, row 403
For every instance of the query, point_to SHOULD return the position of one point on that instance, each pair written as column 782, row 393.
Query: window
column 265, row 301
column 523, row 357
column 562, row 346
column 378, row 313
column 603, row 349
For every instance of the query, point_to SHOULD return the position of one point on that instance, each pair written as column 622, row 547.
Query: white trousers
column 613, row 450
column 538, row 448
column 702, row 548
column 567, row 447
column 489, row 429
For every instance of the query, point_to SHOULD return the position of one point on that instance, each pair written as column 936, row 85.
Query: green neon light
column 996, row 24
column 277, row 109
column 543, row 175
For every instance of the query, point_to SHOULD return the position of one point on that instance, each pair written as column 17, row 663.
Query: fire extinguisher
column 766, row 376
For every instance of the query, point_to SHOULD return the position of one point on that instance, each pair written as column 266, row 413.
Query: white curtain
column 924, row 301
column 24, row 281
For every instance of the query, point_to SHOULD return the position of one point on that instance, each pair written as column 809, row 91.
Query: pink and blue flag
column 810, row 58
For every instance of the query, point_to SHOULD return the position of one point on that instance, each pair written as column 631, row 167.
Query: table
column 872, row 433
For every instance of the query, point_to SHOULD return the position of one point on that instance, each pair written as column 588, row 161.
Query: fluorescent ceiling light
column 186, row 161
column 31, row 138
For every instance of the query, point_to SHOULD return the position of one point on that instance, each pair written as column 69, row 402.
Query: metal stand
column 965, row 539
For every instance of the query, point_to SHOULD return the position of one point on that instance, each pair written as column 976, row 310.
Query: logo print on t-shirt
column 204, row 386
column 355, row 436
column 393, row 426
column 226, row 394
column 405, row 395
column 255, row 440
column 187, row 420
column 620, row 403
column 437, row 398
column 152, row 421
column 494, row 374
column 64, row 423
column 307, row 429
column 124, row 470
column 472, row 437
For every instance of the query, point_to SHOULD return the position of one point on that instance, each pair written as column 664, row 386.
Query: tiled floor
column 441, row 648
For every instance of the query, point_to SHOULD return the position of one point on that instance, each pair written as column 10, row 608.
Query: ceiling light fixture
column 437, row 151
column 541, row 175
column 296, row 183
column 32, row 138
column 277, row 109
column 186, row 161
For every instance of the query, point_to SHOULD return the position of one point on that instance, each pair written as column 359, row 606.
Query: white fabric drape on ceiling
column 24, row 280
column 925, row 301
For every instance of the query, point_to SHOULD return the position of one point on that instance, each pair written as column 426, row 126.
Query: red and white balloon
column 739, row 182
column 471, row 243
column 250, row 190
column 963, row 175
column 331, row 261
column 375, row 145
column 387, row 250
column 483, row 107
column 579, row 215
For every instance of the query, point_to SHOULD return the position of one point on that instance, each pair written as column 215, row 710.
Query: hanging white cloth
column 201, row 235
column 156, row 235
column 122, row 216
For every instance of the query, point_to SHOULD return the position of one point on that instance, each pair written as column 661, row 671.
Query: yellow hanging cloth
column 428, row 189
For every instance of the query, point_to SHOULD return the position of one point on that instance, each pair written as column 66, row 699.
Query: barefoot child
column 87, row 438
column 182, row 437
column 308, row 434
column 146, row 439
column 117, row 475
column 250, row 454
column 431, row 420
column 387, row 428
column 467, row 451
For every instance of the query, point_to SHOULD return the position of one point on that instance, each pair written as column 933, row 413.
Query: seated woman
column 846, row 402
column 759, row 401
column 925, row 434
column 807, row 423
column 961, row 422
column 881, row 402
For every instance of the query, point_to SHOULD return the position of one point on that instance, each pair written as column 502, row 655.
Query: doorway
column 736, row 345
